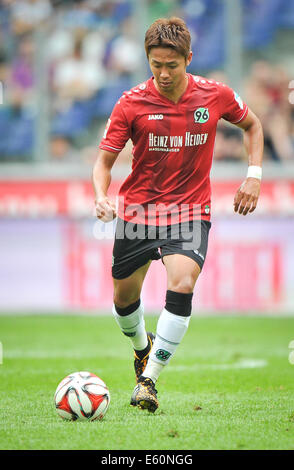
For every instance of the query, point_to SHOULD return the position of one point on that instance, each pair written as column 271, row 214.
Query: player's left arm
column 247, row 195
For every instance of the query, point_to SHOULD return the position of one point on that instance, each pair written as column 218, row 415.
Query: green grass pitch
column 229, row 386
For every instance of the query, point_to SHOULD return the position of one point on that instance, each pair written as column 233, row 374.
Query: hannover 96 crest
column 201, row 115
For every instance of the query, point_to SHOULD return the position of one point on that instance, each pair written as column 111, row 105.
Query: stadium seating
column 106, row 98
column 16, row 135
column 80, row 115
column 286, row 15
column 5, row 121
column 72, row 121
column 261, row 20
column 205, row 19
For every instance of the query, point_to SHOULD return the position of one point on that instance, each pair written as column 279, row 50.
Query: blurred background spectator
column 267, row 93
column 21, row 80
column 92, row 50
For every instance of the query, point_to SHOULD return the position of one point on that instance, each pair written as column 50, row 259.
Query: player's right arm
column 105, row 208
column 116, row 134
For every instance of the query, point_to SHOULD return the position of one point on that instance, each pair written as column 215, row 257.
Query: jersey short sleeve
column 231, row 106
column 117, row 130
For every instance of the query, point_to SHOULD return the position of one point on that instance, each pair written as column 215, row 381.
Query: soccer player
column 164, row 204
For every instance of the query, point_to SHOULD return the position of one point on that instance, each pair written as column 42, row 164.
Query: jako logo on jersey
column 155, row 117
column 238, row 99
column 201, row 115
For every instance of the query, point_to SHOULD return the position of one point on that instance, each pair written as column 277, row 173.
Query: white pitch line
column 16, row 354
column 242, row 364
column 31, row 354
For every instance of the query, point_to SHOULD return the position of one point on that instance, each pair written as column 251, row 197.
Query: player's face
column 168, row 68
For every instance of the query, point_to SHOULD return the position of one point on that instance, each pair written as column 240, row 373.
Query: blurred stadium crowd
column 93, row 55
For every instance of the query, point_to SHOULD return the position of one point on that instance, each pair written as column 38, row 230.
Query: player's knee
column 124, row 299
column 184, row 285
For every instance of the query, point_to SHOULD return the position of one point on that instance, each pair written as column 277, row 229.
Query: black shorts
column 137, row 244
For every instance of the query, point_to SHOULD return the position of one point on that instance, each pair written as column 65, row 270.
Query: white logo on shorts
column 199, row 254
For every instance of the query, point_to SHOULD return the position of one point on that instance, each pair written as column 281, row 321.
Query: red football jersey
column 173, row 148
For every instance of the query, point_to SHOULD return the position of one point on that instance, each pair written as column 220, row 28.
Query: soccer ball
column 82, row 396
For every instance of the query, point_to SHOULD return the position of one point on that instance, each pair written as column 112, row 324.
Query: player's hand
column 105, row 209
column 247, row 196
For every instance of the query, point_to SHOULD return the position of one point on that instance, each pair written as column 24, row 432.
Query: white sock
column 170, row 331
column 133, row 325
column 153, row 369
